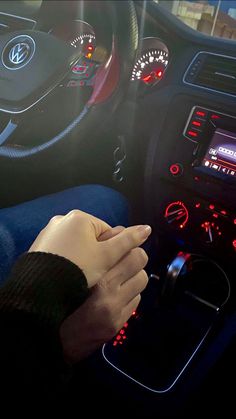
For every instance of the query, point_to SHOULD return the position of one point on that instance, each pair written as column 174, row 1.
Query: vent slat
column 206, row 75
column 219, row 67
column 210, row 73
column 216, row 78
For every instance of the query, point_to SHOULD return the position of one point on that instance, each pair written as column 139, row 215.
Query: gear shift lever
column 199, row 278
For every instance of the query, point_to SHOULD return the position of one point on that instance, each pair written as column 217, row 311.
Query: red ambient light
column 234, row 243
column 174, row 169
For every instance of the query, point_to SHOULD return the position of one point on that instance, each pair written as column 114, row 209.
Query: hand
column 75, row 236
column 110, row 305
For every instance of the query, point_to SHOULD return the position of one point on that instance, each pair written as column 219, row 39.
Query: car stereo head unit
column 221, row 153
column 215, row 136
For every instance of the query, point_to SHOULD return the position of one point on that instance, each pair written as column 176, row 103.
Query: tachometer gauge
column 78, row 34
column 86, row 42
column 151, row 63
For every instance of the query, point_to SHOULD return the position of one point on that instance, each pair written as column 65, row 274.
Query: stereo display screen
column 221, row 153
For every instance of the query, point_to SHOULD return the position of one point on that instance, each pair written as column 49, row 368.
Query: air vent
column 213, row 71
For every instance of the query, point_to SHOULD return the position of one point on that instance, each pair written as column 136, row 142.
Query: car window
column 213, row 17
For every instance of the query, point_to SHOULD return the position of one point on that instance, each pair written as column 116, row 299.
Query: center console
column 194, row 208
column 191, row 205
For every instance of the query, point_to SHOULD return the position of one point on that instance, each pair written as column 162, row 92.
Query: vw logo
column 18, row 52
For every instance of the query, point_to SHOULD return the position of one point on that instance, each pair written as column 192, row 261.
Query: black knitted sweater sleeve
column 42, row 290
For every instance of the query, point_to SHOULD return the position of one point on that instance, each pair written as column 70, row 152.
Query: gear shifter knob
column 197, row 277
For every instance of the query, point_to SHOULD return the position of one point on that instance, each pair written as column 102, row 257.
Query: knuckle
column 138, row 259
column 128, row 240
column 141, row 281
column 143, row 257
column 74, row 213
column 55, row 219
column 144, row 279
column 137, row 300
column 76, row 216
column 132, row 237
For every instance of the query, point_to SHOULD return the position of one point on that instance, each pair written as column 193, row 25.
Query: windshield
column 212, row 17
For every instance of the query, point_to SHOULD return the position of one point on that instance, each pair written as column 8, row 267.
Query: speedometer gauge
column 151, row 63
column 151, row 66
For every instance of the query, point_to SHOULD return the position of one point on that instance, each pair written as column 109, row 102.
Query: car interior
column 124, row 94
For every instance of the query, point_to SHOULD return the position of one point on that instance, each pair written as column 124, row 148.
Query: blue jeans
column 19, row 225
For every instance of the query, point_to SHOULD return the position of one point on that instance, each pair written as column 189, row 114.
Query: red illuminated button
column 215, row 116
column 200, row 113
column 193, row 134
column 197, row 124
column 234, row 244
column 223, row 212
column 176, row 169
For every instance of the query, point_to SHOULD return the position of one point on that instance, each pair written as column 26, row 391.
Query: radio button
column 193, row 134
column 197, row 124
column 176, row 169
column 200, row 113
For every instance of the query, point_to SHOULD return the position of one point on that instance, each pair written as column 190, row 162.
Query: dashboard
column 184, row 137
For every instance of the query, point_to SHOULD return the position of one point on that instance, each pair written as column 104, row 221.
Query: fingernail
column 144, row 230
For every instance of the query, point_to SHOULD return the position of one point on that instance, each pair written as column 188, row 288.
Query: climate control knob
column 210, row 232
column 176, row 214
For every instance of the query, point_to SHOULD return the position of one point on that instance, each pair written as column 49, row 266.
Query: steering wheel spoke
column 7, row 132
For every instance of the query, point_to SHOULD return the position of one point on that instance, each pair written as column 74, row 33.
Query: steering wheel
column 34, row 63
